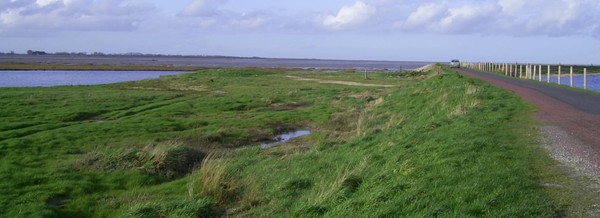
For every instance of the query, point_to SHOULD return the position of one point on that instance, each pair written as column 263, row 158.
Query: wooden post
column 584, row 78
column 366, row 75
column 520, row 71
column 548, row 73
column 559, row 72
column 571, row 76
column 540, row 73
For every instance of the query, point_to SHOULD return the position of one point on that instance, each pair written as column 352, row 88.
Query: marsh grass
column 429, row 144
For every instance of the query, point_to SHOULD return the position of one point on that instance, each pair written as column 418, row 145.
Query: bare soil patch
column 339, row 82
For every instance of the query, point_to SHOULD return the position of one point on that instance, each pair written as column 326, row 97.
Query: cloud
column 425, row 15
column 503, row 17
column 350, row 16
column 485, row 17
column 50, row 16
column 467, row 19
column 202, row 8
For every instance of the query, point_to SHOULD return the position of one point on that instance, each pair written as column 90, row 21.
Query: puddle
column 284, row 138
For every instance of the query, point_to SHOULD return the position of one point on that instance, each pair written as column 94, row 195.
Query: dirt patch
column 339, row 82
column 56, row 202
column 425, row 68
column 288, row 106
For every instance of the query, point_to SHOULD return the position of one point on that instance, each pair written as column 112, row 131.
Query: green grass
column 432, row 145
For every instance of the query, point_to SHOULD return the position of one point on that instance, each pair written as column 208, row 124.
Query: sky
column 534, row 31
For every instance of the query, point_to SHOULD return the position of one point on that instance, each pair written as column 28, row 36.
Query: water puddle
column 284, row 138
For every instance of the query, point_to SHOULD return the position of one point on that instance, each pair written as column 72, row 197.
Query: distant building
column 30, row 52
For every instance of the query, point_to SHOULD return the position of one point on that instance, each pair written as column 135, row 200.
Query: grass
column 187, row 146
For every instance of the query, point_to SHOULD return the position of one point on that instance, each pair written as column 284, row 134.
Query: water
column 283, row 138
column 216, row 61
column 62, row 78
column 593, row 81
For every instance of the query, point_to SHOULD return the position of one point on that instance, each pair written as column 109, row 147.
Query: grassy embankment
column 435, row 145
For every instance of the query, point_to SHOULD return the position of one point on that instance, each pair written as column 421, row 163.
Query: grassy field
column 412, row 145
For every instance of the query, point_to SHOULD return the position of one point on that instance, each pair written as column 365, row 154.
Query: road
column 570, row 119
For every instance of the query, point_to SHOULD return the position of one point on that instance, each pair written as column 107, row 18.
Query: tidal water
column 285, row 137
column 593, row 81
column 67, row 78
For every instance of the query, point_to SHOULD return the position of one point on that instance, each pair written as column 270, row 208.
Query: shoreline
column 186, row 63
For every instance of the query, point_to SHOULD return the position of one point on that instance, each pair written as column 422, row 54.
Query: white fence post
column 559, row 72
column 584, row 78
column 548, row 73
column 540, row 73
column 571, row 75
column 521, row 71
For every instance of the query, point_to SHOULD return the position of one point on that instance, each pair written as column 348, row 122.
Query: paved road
column 583, row 101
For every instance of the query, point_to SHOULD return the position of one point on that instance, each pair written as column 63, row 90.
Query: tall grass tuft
column 170, row 159
column 212, row 179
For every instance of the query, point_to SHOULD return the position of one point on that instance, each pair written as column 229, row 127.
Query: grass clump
column 181, row 209
column 212, row 179
column 169, row 159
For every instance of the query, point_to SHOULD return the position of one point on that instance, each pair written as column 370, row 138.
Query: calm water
column 592, row 80
column 284, row 138
column 61, row 78
column 197, row 61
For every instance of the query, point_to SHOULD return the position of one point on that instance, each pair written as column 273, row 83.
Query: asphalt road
column 583, row 101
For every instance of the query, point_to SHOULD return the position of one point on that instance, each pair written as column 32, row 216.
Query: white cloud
column 350, row 16
column 502, row 17
column 468, row 19
column 43, row 3
column 426, row 14
column 486, row 17
column 202, row 8
column 43, row 17
column 514, row 7
column 253, row 21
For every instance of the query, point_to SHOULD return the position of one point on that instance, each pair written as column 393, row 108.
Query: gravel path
column 570, row 129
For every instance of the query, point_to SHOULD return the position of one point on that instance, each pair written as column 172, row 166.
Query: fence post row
column 531, row 71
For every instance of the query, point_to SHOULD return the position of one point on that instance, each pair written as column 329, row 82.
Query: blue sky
column 538, row 31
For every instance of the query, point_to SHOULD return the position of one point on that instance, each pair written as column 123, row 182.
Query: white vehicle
column 455, row 64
